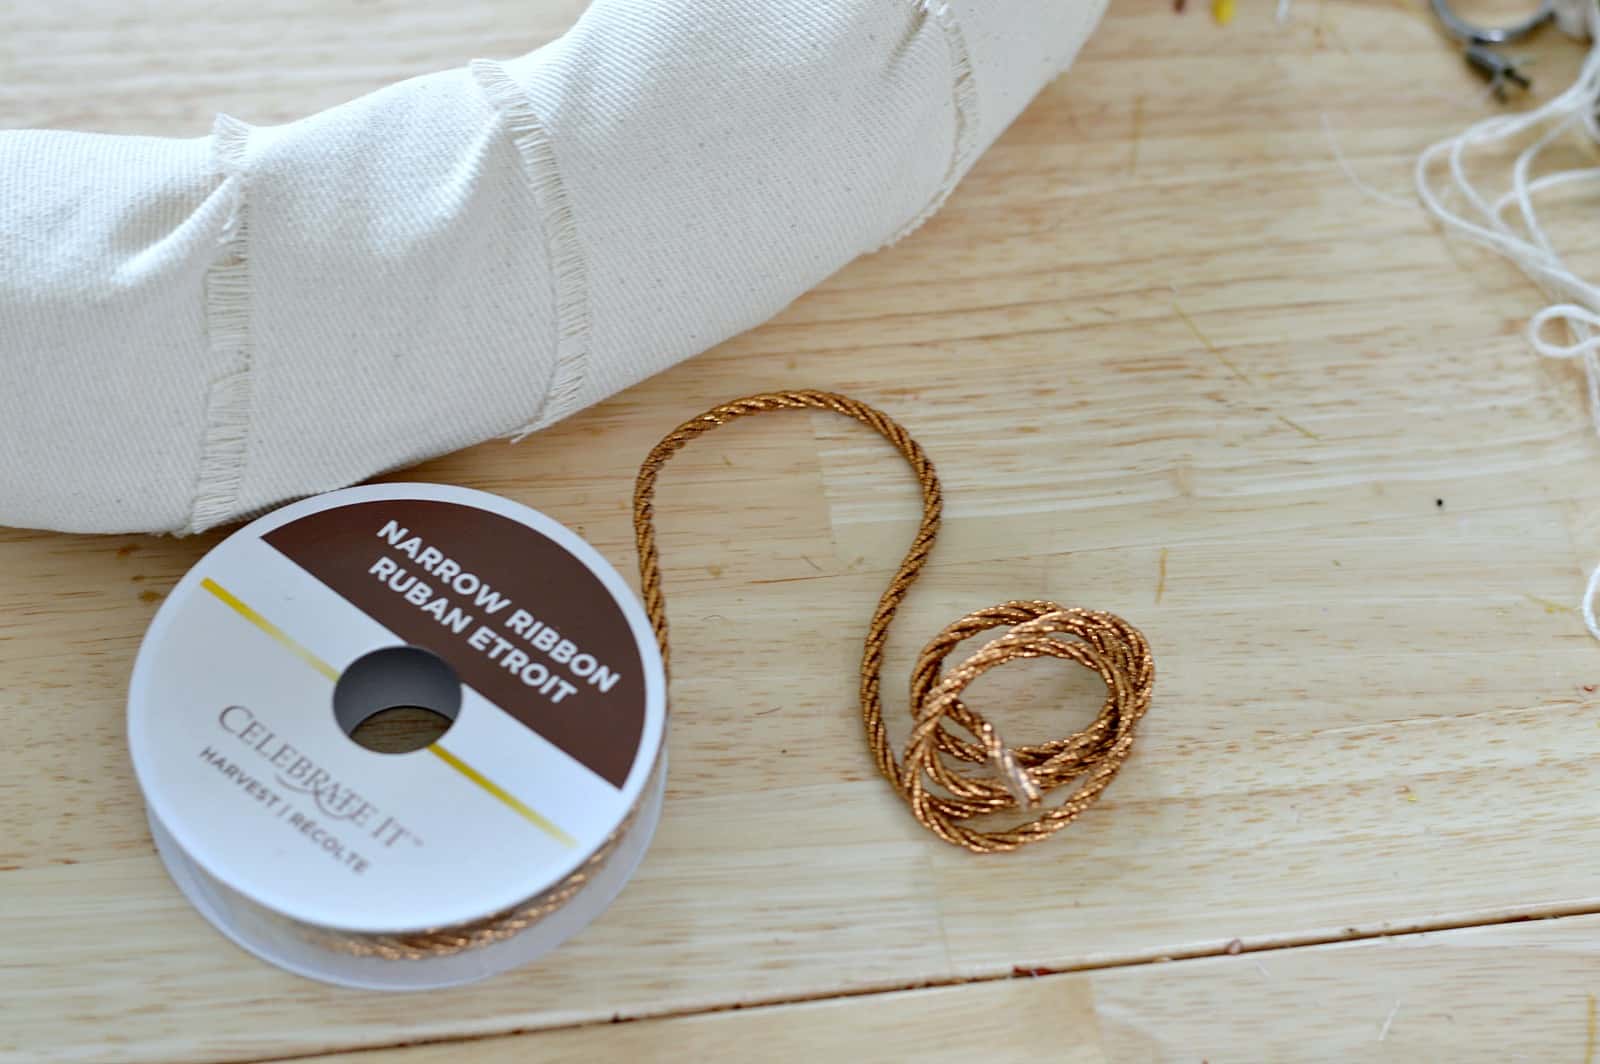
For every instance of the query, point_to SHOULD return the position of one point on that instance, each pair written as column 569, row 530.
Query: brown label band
column 522, row 622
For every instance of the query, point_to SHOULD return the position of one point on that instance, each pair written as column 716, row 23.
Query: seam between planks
column 1483, row 918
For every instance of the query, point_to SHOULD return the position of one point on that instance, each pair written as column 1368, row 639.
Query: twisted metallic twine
column 940, row 796
column 442, row 942
column 1099, row 641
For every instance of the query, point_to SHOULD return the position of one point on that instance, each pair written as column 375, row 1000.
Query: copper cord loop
column 941, row 796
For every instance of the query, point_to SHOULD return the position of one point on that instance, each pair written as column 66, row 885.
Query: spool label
column 237, row 748
column 534, row 633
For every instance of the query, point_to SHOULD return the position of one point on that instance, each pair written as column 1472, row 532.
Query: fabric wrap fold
column 195, row 330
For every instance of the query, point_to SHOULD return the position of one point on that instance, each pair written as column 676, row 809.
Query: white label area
column 237, row 749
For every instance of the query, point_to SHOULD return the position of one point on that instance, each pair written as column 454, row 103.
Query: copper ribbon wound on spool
column 940, row 795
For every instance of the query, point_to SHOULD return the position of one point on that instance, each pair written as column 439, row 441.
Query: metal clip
column 1500, row 70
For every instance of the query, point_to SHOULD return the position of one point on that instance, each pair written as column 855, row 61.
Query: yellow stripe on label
column 271, row 629
column 509, row 799
column 488, row 785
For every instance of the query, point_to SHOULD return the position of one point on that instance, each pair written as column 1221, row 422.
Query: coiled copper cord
column 444, row 941
column 1022, row 775
column 941, row 796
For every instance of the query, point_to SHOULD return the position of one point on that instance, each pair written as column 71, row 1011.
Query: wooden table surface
column 1172, row 363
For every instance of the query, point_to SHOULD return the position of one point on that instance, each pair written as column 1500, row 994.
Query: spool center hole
column 397, row 699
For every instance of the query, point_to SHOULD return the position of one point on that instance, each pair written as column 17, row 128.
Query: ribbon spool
column 473, row 855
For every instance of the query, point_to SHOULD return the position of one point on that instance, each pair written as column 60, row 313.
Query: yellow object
column 1222, row 11
column 501, row 793
column 271, row 629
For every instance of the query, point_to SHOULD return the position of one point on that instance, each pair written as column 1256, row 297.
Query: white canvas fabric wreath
column 194, row 330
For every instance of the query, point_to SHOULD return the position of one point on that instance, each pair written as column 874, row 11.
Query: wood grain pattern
column 1171, row 363
column 1429, row 997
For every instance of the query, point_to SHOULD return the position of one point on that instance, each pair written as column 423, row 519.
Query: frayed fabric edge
column 568, row 264
column 228, row 297
column 964, row 91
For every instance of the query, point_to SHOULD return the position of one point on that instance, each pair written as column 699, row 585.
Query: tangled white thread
column 1510, row 226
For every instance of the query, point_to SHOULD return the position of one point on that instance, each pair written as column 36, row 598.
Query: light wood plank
column 1051, row 1020
column 1373, row 711
column 1485, row 995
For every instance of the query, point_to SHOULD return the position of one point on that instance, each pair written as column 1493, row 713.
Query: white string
column 1355, row 178
column 1576, row 318
column 1588, row 602
column 1572, row 301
